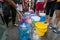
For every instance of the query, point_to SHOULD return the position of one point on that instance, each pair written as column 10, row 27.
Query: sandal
column 56, row 31
column 51, row 27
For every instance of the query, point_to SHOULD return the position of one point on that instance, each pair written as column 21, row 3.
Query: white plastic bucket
column 42, row 14
column 35, row 18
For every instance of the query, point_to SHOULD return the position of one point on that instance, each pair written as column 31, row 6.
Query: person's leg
column 57, row 18
column 6, row 12
column 52, row 9
column 56, row 21
column 37, row 13
column 35, row 5
column 57, row 11
column 47, row 11
column 13, row 15
column 1, row 13
column 2, row 19
column 37, row 9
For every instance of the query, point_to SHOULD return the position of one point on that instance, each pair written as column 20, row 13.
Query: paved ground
column 13, row 33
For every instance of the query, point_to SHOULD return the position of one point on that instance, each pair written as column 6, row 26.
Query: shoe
column 56, row 31
column 51, row 26
column 15, row 25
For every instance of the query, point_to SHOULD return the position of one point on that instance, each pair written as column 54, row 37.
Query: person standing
column 57, row 19
column 6, row 9
column 13, row 8
column 39, row 6
column 49, row 10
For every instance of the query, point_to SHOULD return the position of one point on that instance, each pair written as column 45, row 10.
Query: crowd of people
column 10, row 6
column 39, row 6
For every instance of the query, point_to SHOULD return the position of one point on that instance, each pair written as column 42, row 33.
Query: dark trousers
column 50, row 7
column 13, row 10
column 6, row 13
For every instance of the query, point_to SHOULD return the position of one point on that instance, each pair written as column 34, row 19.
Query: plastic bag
column 24, row 31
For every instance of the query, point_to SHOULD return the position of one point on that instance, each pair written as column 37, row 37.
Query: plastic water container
column 42, row 17
column 35, row 18
column 24, row 31
column 41, row 28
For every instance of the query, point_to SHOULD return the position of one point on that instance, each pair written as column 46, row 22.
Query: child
column 39, row 6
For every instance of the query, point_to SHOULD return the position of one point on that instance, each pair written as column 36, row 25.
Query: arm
column 23, row 3
column 45, row 1
column 10, row 2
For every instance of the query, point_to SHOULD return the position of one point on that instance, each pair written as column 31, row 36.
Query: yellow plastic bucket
column 40, row 33
column 41, row 28
column 41, row 25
